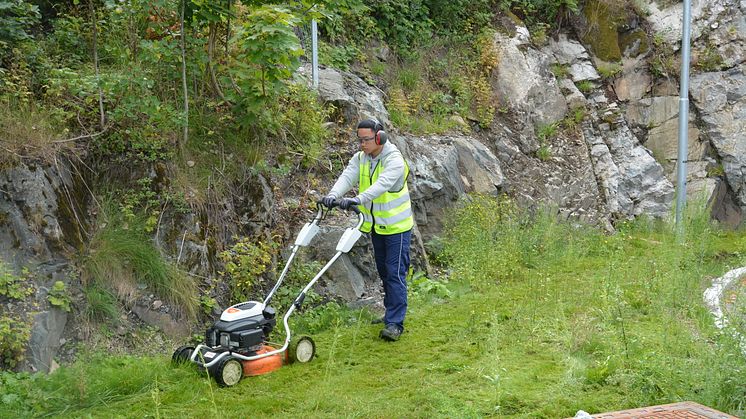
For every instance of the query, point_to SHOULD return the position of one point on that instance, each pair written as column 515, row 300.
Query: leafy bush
column 303, row 119
column 13, row 286
column 14, row 334
column 59, row 296
column 540, row 11
column 16, row 19
column 245, row 262
column 269, row 55
column 405, row 25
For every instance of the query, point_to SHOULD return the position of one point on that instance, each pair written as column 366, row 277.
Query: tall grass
column 621, row 312
column 121, row 257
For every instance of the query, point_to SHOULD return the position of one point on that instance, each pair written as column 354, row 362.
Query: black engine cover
column 243, row 334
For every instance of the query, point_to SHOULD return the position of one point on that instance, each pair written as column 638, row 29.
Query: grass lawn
column 576, row 320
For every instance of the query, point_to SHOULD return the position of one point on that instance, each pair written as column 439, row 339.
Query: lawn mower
column 236, row 345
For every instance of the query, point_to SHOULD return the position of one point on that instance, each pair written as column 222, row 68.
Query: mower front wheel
column 182, row 354
column 302, row 350
column 229, row 371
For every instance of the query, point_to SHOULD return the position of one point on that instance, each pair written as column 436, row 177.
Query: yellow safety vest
column 390, row 213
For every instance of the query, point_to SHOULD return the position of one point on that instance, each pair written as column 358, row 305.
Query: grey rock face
column 350, row 94
column 721, row 101
column 523, row 80
column 38, row 230
column 29, row 202
column 571, row 53
column 442, row 170
column 630, row 178
column 635, row 80
column 45, row 339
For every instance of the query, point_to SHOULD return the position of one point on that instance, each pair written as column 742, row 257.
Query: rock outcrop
column 720, row 98
column 522, row 79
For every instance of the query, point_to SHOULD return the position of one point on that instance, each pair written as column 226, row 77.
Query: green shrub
column 59, row 296
column 17, row 17
column 14, row 334
column 302, row 118
column 245, row 262
column 13, row 286
column 405, row 25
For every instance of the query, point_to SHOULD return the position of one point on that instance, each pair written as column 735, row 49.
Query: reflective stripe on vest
column 390, row 213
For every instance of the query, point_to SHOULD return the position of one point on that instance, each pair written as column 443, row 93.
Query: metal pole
column 683, row 118
column 314, row 54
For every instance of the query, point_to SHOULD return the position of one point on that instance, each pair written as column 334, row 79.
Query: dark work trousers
column 392, row 261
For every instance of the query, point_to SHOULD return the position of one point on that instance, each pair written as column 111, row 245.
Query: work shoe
column 390, row 333
column 377, row 321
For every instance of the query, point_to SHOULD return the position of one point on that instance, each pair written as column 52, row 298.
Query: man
column 381, row 173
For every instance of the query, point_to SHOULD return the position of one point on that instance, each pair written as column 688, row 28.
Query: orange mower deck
column 263, row 365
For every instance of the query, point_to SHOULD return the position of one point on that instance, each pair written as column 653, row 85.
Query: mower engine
column 242, row 328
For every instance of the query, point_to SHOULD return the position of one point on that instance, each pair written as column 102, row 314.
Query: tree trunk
column 211, row 40
column 94, row 22
column 184, row 76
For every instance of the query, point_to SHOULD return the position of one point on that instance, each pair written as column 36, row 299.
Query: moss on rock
column 602, row 34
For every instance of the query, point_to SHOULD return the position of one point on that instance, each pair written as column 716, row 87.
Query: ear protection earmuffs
column 381, row 136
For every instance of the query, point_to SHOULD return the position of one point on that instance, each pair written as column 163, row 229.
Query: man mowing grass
column 381, row 173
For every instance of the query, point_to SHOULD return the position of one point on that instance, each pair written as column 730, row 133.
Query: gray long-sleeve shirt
column 391, row 177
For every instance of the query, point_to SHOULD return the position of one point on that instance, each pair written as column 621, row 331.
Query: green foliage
column 540, row 11
column 560, row 71
column 421, row 285
column 543, row 153
column 16, row 19
column 59, row 296
column 12, row 286
column 338, row 56
column 269, row 55
column 460, row 19
column 546, row 132
column 245, row 262
column 207, row 304
column 709, row 59
column 303, row 119
column 405, row 25
column 14, row 334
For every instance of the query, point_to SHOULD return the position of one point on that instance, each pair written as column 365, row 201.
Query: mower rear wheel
column 302, row 350
column 229, row 371
column 182, row 354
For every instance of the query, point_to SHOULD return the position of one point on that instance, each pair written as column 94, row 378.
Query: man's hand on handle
column 328, row 200
column 346, row 203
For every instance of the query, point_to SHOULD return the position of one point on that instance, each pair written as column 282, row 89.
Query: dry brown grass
column 27, row 132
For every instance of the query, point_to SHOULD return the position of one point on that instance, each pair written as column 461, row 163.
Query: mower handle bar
column 336, row 203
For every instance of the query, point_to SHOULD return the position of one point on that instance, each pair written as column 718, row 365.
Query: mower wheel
column 181, row 355
column 302, row 350
column 229, row 371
